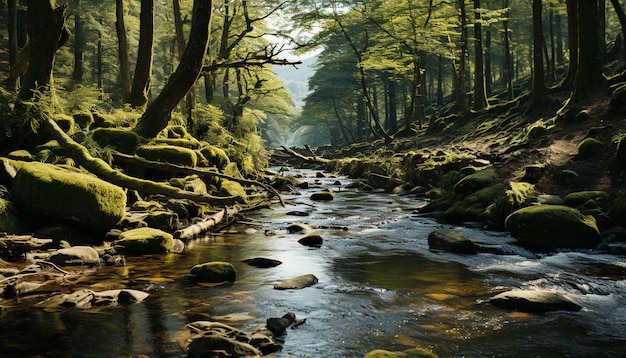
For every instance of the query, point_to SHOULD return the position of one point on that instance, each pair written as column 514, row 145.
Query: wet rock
column 451, row 241
column 298, row 213
column 262, row 262
column 567, row 178
column 298, row 282
column 532, row 173
column 214, row 272
column 79, row 299
column 76, row 255
column 131, row 296
column 410, row 353
column 322, row 196
column 162, row 220
column 534, row 301
column 293, row 228
column 212, row 345
column 143, row 241
column 278, row 325
column 553, row 226
column 474, row 182
column 383, row 181
column 312, row 240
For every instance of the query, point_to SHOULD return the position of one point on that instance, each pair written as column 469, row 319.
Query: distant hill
column 296, row 79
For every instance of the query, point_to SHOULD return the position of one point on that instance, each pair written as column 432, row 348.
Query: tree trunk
column 13, row 48
column 480, row 98
column 589, row 77
column 180, row 41
column 143, row 68
column 122, row 44
column 462, row 99
column 47, row 31
column 159, row 112
column 560, row 58
column 488, row 70
column 79, row 43
column 622, row 21
column 439, row 80
column 539, row 93
column 572, row 30
column 508, row 63
column 393, row 107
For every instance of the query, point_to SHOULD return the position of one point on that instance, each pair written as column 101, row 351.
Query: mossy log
column 205, row 225
column 151, row 164
column 102, row 170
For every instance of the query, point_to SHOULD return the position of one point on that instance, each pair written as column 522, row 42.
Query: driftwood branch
column 151, row 164
column 103, row 171
column 203, row 226
column 313, row 159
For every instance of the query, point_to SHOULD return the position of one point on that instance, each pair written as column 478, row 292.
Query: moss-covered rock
column 21, row 155
column 65, row 122
column 451, row 241
column 410, row 353
column 145, row 240
column 312, row 239
column 168, row 154
column 121, row 139
column 190, row 143
column 47, row 192
column 83, row 120
column 322, row 196
column 232, row 188
column 553, row 226
column 479, row 180
column 588, row 147
column 215, row 156
column 618, row 209
column 618, row 99
column 474, row 206
column 515, row 197
column 8, row 220
column 579, row 198
column 214, row 272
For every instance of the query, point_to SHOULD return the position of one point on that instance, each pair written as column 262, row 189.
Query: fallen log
column 103, row 171
column 313, row 159
column 203, row 226
column 151, row 164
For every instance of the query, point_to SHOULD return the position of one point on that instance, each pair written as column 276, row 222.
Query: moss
column 214, row 272
column 589, row 147
column 178, row 142
column 215, row 156
column 83, row 120
column 8, row 219
column 285, row 183
column 474, row 206
column 232, row 188
column 123, row 140
column 42, row 191
column 476, row 181
column 410, row 353
column 579, row 198
column 553, row 226
column 65, row 122
column 513, row 198
column 168, row 154
column 145, row 240
column 21, row 155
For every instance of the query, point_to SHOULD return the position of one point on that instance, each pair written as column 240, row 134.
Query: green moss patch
column 479, row 180
column 123, row 140
column 215, row 156
column 579, row 198
column 232, row 188
column 143, row 241
column 168, row 154
column 588, row 147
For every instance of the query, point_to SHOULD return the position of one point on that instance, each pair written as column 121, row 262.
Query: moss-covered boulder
column 588, row 147
column 83, row 120
column 410, row 353
column 8, row 220
column 474, row 182
column 553, row 226
column 472, row 207
column 214, row 272
column 21, row 155
column 145, row 240
column 215, row 156
column 232, row 188
column 121, row 139
column 451, row 241
column 44, row 192
column 311, row 239
column 516, row 196
column 322, row 196
column 168, row 154
column 579, row 198
column 65, row 122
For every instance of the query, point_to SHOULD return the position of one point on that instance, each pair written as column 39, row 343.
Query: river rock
column 410, row 353
column 298, row 228
column 218, row 340
column 474, row 182
column 383, row 181
column 553, row 226
column 322, row 196
column 143, row 241
column 214, row 272
column 47, row 192
column 312, row 240
column 298, row 282
column 76, row 255
column 262, row 262
column 534, row 301
column 451, row 241
column 279, row 325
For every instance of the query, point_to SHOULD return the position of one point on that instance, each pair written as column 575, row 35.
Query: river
column 379, row 287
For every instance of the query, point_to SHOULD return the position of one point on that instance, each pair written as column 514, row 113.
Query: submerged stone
column 297, row 282
column 534, row 301
column 214, row 272
column 142, row 241
column 410, row 353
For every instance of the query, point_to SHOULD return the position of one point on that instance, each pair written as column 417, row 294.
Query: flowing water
column 379, row 287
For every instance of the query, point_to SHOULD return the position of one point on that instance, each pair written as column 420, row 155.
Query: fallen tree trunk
column 314, row 159
column 103, row 171
column 203, row 226
column 151, row 164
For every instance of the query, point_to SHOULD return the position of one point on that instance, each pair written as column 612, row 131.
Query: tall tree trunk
column 47, row 31
column 79, row 43
column 122, row 44
column 560, row 58
column 440, row 80
column 589, row 77
column 180, row 40
column 13, row 48
column 539, row 90
column 143, row 68
column 622, row 21
column 393, row 107
column 462, row 99
column 159, row 112
column 488, row 70
column 99, row 62
column 480, row 98
column 572, row 30
column 602, row 28
column 508, row 61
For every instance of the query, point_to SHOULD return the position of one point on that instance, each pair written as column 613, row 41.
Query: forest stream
column 380, row 287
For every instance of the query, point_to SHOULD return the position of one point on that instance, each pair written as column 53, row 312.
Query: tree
column 143, row 67
column 122, row 44
column 12, row 29
column 589, row 77
column 480, row 96
column 539, row 93
column 158, row 114
column 79, row 43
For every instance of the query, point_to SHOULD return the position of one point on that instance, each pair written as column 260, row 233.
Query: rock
column 212, row 345
column 451, row 241
column 293, row 228
column 232, row 188
column 298, row 213
column 567, row 177
column 46, row 192
column 382, row 181
column 112, row 297
column 78, row 299
column 553, row 226
column 534, row 172
column 278, row 325
column 262, row 262
column 131, row 296
column 298, row 282
column 312, row 240
column 474, row 182
column 322, row 196
column 549, row 199
column 410, row 353
column 162, row 220
column 534, row 301
column 122, row 140
column 143, row 241
column 579, row 198
column 620, row 154
column 214, row 272
column 588, row 147
column 76, row 255
column 168, row 154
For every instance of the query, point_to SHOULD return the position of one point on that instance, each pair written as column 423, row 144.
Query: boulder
column 214, row 272
column 76, row 255
column 262, row 262
column 322, row 196
column 215, row 156
column 588, row 147
column 297, row 282
column 214, row 345
column 534, row 301
column 122, row 140
column 553, row 226
column 168, row 154
column 312, row 240
column 278, row 325
column 474, row 182
column 232, row 188
column 47, row 192
column 145, row 240
column 579, row 198
column 451, row 241
column 410, row 353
